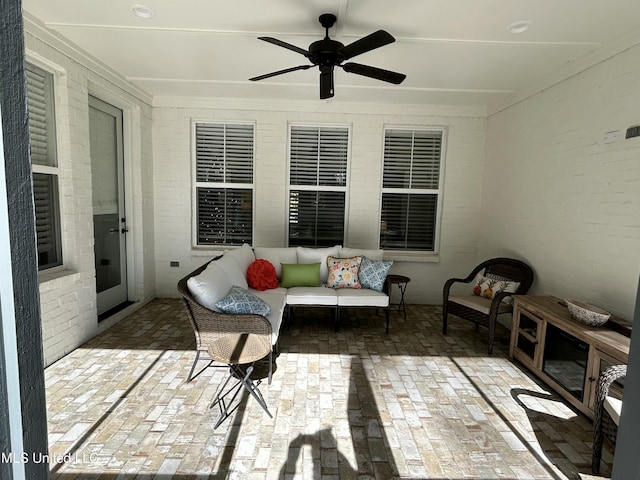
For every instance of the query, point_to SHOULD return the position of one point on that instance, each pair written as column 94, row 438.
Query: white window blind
column 317, row 185
column 224, row 183
column 42, row 139
column 411, row 189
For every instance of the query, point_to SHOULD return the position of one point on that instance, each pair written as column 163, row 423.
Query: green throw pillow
column 300, row 275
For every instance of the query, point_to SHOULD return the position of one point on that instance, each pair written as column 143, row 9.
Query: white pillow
column 231, row 268
column 276, row 256
column 313, row 255
column 244, row 255
column 354, row 252
column 210, row 286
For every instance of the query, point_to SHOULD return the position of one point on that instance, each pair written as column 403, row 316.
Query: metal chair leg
column 244, row 381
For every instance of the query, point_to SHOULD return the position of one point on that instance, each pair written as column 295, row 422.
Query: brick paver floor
column 357, row 404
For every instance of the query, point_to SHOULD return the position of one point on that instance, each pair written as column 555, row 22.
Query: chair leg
column 336, row 320
column 191, row 376
column 388, row 315
column 244, row 381
column 598, row 438
column 193, row 367
column 445, row 314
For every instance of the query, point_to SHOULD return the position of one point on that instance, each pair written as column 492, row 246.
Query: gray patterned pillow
column 241, row 300
column 373, row 273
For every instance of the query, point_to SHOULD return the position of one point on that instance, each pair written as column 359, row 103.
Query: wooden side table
column 402, row 282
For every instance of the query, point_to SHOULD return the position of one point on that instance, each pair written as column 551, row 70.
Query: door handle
column 112, row 231
column 124, row 230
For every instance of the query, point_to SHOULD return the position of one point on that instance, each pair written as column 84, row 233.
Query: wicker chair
column 607, row 412
column 480, row 310
column 210, row 327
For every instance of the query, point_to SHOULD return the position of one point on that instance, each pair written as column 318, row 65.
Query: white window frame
column 250, row 187
column 319, row 188
column 52, row 171
column 443, row 131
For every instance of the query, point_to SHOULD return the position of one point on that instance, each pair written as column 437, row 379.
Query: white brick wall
column 68, row 297
column 558, row 196
column 173, row 187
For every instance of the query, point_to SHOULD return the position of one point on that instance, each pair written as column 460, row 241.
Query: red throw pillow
column 261, row 275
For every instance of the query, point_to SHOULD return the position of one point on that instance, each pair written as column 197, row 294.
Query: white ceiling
column 454, row 52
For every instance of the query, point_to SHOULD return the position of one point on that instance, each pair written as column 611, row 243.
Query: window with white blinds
column 224, row 183
column 317, row 185
column 411, row 189
column 44, row 164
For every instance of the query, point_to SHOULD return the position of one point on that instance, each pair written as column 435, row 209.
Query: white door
column 109, row 221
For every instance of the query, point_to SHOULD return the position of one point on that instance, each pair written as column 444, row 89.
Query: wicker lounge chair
column 607, row 412
column 483, row 311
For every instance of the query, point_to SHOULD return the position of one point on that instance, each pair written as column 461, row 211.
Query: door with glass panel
column 109, row 221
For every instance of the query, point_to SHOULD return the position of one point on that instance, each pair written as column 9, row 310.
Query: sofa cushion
column 313, row 255
column 242, row 301
column 300, row 275
column 209, row 286
column 480, row 304
column 244, row 256
column 277, row 256
column 312, row 296
column 230, row 266
column 349, row 297
column 373, row 273
column 277, row 300
column 261, row 275
column 343, row 272
column 352, row 252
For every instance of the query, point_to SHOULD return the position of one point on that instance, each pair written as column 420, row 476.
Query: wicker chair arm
column 606, row 379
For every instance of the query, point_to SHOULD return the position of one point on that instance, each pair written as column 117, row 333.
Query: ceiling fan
column 327, row 54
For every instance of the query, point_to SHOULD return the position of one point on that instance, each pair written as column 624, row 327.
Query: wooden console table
column 567, row 355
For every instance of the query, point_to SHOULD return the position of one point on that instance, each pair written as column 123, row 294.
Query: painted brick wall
column 173, row 188
column 68, row 296
column 560, row 197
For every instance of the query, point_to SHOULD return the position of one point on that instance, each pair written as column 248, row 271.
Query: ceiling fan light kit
column 327, row 54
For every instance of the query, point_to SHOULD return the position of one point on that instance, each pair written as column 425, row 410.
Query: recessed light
column 520, row 26
column 142, row 11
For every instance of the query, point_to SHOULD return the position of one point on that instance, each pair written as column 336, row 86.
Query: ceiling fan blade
column 280, row 72
column 289, row 46
column 326, row 82
column 365, row 44
column 374, row 72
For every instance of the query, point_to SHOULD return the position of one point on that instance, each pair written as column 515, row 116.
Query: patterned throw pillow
column 373, row 273
column 240, row 300
column 343, row 272
column 488, row 287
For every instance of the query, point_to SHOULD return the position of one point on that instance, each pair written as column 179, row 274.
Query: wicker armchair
column 483, row 311
column 607, row 412
column 212, row 328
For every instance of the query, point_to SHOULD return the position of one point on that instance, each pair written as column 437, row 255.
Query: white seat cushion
column 361, row 297
column 480, row 304
column 613, row 407
column 277, row 302
column 312, row 296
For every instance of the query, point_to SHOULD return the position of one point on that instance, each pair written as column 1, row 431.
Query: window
column 317, row 185
column 224, row 183
column 411, row 189
column 42, row 137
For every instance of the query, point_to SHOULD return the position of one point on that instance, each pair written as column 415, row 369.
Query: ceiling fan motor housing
column 325, row 52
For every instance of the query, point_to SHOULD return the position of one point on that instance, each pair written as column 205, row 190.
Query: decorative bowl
column 587, row 314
